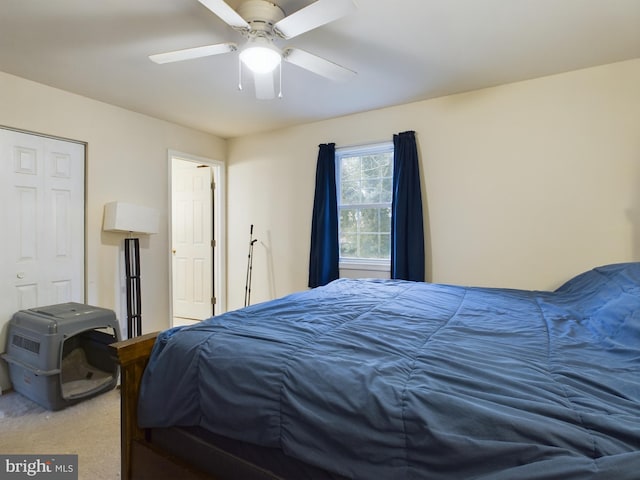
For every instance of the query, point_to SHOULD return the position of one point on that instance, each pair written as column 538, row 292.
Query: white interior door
column 192, row 241
column 42, row 213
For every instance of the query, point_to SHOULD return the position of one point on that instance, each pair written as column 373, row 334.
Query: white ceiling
column 403, row 51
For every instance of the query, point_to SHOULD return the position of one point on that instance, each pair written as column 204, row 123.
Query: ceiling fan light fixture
column 262, row 22
column 260, row 56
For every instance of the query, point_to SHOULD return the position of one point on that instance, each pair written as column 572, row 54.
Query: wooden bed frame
column 140, row 459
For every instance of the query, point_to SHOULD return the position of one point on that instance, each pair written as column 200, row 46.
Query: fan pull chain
column 280, row 81
column 239, row 74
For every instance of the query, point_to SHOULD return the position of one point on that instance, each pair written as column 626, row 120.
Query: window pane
column 349, row 220
column 369, row 220
column 371, row 246
column 368, row 245
column 350, row 170
column 386, row 169
column 371, row 189
column 370, row 167
column 386, row 189
column 349, row 245
column 385, row 220
column 350, row 192
column 385, row 245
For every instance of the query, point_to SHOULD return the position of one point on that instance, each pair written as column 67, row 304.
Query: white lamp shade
column 125, row 217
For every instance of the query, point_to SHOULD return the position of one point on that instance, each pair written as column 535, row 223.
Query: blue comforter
column 375, row 379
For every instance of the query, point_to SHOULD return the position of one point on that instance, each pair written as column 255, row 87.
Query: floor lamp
column 134, row 220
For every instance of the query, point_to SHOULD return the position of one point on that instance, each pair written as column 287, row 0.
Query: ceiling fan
column 261, row 22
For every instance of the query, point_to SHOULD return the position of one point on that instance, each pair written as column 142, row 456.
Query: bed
column 389, row 379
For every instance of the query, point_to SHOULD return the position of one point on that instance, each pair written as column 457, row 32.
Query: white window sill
column 380, row 268
column 364, row 270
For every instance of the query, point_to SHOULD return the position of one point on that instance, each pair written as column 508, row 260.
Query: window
column 364, row 188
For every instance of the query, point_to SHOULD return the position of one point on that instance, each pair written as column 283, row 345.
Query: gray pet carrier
column 58, row 355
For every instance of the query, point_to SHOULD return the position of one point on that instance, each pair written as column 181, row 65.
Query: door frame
column 219, row 228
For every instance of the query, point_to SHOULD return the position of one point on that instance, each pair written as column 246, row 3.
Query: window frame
column 349, row 263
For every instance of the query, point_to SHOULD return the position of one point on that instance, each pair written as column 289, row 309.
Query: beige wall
column 126, row 161
column 525, row 184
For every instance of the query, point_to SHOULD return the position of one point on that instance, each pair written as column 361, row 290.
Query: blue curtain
column 407, row 234
column 323, row 257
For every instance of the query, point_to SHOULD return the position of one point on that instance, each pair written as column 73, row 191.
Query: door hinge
column 213, row 243
column 213, row 300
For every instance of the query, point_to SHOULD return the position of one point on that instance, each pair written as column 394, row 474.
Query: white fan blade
column 313, row 16
column 226, row 13
column 196, row 52
column 265, row 86
column 317, row 65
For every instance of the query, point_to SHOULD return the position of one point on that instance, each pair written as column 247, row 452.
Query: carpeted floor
column 90, row 429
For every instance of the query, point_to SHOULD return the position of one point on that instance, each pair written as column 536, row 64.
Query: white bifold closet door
column 42, row 211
